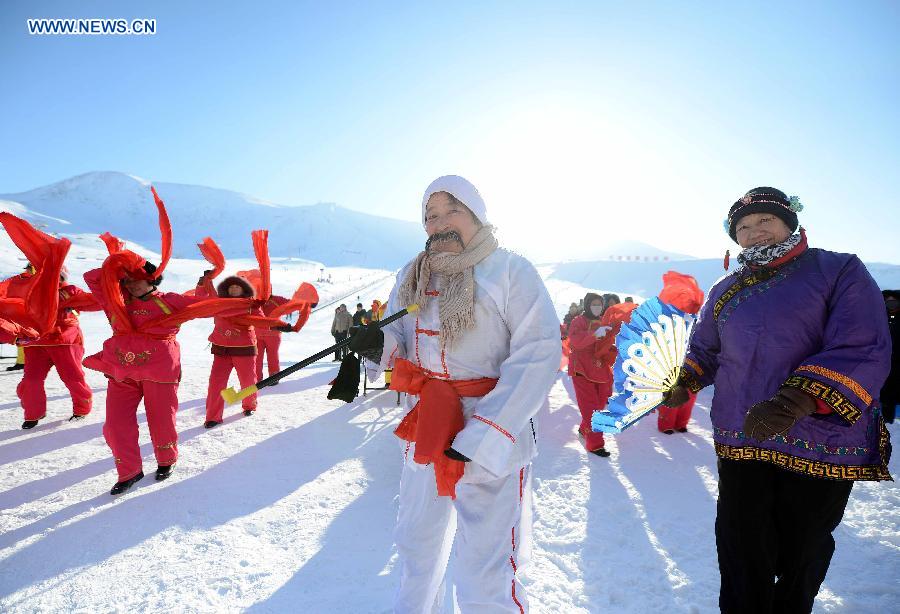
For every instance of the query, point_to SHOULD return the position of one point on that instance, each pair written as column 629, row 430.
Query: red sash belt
column 436, row 419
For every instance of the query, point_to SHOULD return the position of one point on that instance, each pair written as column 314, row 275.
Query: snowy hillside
column 122, row 204
column 82, row 207
column 291, row 510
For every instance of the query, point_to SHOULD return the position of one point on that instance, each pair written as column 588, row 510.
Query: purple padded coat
column 815, row 323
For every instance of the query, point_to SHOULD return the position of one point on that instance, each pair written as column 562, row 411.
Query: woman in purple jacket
column 796, row 343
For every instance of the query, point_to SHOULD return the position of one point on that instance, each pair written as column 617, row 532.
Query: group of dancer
column 142, row 359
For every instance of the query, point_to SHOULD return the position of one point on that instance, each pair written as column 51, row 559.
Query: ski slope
column 292, row 509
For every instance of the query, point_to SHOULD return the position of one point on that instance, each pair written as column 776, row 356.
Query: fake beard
column 439, row 237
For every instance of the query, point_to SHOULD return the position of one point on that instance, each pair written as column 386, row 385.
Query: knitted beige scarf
column 456, row 304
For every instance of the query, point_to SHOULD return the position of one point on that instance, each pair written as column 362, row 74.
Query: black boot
column 668, row 431
column 164, row 471
column 16, row 367
column 29, row 424
column 249, row 412
column 124, row 485
column 683, row 430
column 600, row 452
column 210, row 423
column 77, row 417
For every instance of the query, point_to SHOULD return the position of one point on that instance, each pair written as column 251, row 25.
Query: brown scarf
column 456, row 306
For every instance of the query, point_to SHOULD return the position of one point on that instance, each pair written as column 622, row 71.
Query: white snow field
column 292, row 509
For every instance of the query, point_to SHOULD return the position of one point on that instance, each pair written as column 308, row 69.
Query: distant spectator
column 628, row 299
column 358, row 317
column 610, row 300
column 573, row 311
column 339, row 329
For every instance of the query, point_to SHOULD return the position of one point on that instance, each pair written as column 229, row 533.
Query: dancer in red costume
column 142, row 360
column 268, row 340
column 589, row 342
column 54, row 304
column 9, row 331
column 233, row 347
column 234, row 338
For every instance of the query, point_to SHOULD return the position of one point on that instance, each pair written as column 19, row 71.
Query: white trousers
column 491, row 520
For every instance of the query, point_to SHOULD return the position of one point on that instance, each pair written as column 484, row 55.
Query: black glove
column 368, row 342
column 675, row 396
column 287, row 328
column 451, row 453
column 777, row 415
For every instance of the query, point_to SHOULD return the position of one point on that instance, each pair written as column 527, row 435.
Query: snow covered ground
column 292, row 509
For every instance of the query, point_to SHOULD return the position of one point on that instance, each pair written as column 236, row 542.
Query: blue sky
column 580, row 122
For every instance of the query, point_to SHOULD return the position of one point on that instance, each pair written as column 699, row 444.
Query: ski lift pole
column 232, row 396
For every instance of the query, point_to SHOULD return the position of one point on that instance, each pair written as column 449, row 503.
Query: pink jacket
column 153, row 355
column 589, row 355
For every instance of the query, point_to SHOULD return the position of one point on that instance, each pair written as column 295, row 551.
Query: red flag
column 261, row 249
column 41, row 292
column 165, row 231
column 114, row 245
column 213, row 255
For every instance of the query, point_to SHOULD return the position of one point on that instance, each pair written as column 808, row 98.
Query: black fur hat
column 764, row 200
column 233, row 280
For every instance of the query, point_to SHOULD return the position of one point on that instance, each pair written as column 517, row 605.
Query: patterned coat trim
column 695, row 366
column 830, row 396
column 748, row 285
column 813, row 468
column 743, row 282
column 688, row 380
column 802, row 444
column 840, row 378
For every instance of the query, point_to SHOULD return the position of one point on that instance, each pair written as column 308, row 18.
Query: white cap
column 462, row 189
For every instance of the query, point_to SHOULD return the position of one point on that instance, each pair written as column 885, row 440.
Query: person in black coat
column 890, row 393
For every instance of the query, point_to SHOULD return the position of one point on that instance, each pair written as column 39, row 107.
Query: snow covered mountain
column 621, row 251
column 84, row 206
column 122, row 204
column 644, row 279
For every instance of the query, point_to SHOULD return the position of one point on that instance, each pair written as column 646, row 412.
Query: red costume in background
column 683, row 292
column 268, row 340
column 63, row 348
column 589, row 366
column 40, row 310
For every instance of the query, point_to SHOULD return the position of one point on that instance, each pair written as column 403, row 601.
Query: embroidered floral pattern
column 130, row 359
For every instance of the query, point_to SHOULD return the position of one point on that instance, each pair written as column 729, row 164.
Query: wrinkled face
column 235, row 291
column 450, row 225
column 761, row 229
column 137, row 287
